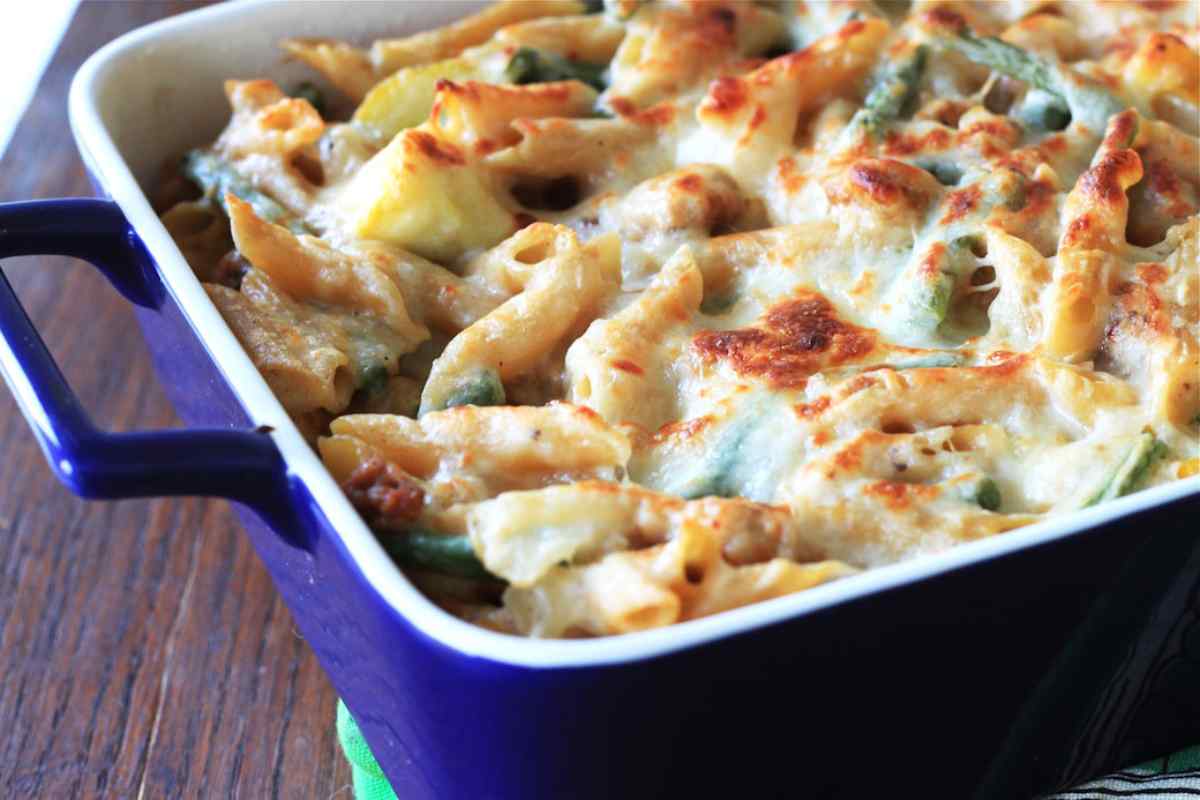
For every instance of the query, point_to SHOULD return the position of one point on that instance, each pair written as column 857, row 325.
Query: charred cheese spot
column 1039, row 197
column 1079, row 230
column 1121, row 130
column 898, row 496
column 993, row 138
column 961, row 203
column 947, row 112
column 436, row 151
column 942, row 19
column 1005, row 364
column 1026, row 160
column 931, row 264
column 1152, row 273
column 726, row 96
column 790, row 177
column 851, row 29
column 756, row 120
column 849, row 458
column 683, row 430
column 1139, row 312
column 813, row 409
column 628, row 366
column 659, row 115
column 904, row 144
column 1106, row 182
column 796, row 339
column 588, row 414
column 887, row 183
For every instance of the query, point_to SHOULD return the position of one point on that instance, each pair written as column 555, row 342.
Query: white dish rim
column 103, row 159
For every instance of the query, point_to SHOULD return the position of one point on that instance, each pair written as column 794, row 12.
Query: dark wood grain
column 143, row 650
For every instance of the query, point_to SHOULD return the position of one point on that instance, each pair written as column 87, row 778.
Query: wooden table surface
column 143, row 651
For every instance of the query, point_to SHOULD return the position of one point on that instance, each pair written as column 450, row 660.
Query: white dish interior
column 150, row 95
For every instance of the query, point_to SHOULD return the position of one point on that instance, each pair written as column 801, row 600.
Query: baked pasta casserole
column 611, row 316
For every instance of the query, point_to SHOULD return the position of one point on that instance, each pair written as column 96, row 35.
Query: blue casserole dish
column 1003, row 668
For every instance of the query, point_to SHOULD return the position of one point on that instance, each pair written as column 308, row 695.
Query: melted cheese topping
column 609, row 321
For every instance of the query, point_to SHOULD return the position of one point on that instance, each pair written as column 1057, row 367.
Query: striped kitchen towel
column 1169, row 778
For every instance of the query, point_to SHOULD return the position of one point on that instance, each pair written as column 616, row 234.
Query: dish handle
column 238, row 465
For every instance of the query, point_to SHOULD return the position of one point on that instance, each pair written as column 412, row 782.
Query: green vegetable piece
column 718, row 302
column 946, row 174
column 314, row 96
column 891, row 94
column 482, row 389
column 374, row 379
column 448, row 555
column 973, row 243
column 719, row 476
column 537, row 66
column 1053, row 119
column 593, row 6
column 1132, row 471
column 925, row 294
column 930, row 361
column 216, row 177
column 1003, row 186
column 1042, row 111
column 929, row 300
column 1076, row 97
column 985, row 494
column 1007, row 59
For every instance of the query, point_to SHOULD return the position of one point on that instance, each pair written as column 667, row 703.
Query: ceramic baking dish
column 1004, row 667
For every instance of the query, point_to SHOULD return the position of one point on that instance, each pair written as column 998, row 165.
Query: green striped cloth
column 1176, row 776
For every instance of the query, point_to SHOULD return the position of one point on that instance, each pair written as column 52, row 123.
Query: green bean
column 928, row 299
column 719, row 474
column 216, row 177
column 947, row 174
column 745, row 455
column 314, row 96
column 1132, row 471
column 984, row 493
column 435, row 552
column 718, row 303
column 537, row 66
column 481, row 389
column 927, row 293
column 892, row 93
column 374, row 379
column 1042, row 111
column 928, row 361
column 1077, row 97
column 1006, row 59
